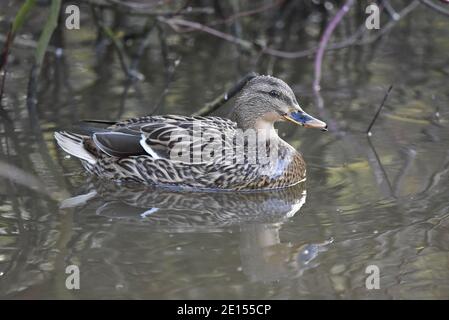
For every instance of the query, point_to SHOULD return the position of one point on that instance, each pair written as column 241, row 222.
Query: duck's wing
column 186, row 139
column 118, row 144
column 162, row 136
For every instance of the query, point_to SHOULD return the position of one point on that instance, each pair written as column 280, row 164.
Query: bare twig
column 389, row 8
column 325, row 39
column 143, row 44
column 247, row 13
column 368, row 131
column 249, row 46
column 373, row 159
column 434, row 6
column 142, row 10
column 222, row 99
column 353, row 40
column 175, row 23
column 134, row 5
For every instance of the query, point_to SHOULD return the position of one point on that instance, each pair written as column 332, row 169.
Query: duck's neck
column 266, row 128
column 263, row 124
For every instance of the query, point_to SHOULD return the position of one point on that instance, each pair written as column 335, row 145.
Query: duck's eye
column 274, row 93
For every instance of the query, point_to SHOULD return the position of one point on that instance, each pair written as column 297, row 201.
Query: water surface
column 382, row 201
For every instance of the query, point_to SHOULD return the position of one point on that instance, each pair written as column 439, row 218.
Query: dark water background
column 383, row 201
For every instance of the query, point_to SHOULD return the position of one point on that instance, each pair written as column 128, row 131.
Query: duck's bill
column 305, row 120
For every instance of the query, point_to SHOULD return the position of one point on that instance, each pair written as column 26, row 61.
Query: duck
column 206, row 153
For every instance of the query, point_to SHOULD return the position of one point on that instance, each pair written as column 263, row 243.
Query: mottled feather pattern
column 203, row 209
column 162, row 132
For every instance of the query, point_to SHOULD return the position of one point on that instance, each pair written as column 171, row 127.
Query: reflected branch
column 379, row 170
column 410, row 156
column 18, row 176
column 118, row 46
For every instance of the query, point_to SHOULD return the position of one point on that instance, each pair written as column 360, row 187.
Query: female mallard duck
column 201, row 153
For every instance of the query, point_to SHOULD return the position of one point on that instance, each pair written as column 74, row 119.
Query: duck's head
column 265, row 100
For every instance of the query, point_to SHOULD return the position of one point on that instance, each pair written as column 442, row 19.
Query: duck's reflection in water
column 258, row 215
column 265, row 258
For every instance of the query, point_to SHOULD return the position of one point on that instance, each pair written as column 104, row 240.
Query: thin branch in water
column 382, row 171
column 118, row 46
column 183, row 7
column 430, row 4
column 368, row 131
column 18, row 176
column 144, row 10
column 134, row 5
column 170, row 77
column 389, row 8
column 143, row 45
column 164, row 48
column 325, row 39
column 249, row 46
column 123, row 98
column 247, row 13
column 174, row 23
column 170, row 68
column 222, row 99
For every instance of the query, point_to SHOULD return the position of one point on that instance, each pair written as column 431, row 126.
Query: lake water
column 382, row 201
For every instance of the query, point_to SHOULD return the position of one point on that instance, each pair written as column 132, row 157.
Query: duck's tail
column 73, row 144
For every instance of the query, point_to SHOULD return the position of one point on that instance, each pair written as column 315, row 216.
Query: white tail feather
column 73, row 144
